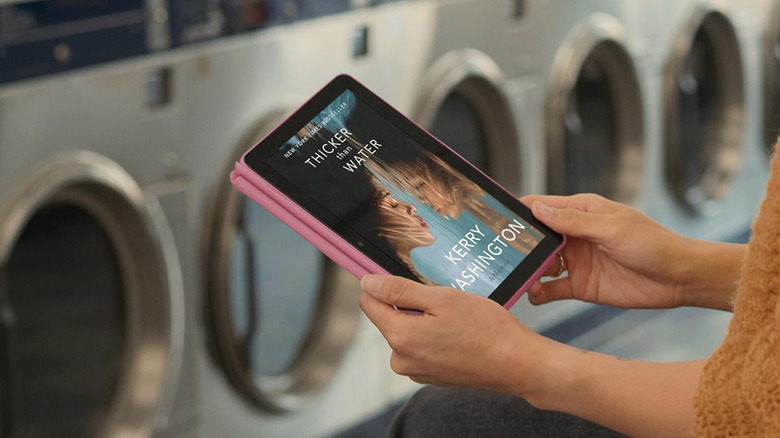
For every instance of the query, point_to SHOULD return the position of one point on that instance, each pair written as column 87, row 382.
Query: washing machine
column 514, row 66
column 543, row 96
column 195, row 338
column 589, row 110
column 99, row 286
column 703, row 73
column 94, row 271
column 286, row 350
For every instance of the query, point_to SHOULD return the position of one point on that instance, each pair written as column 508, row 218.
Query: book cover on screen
column 410, row 204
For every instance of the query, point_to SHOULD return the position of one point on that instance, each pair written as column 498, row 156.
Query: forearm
column 712, row 270
column 640, row 399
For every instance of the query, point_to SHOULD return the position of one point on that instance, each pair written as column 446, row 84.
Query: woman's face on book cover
column 435, row 194
column 403, row 217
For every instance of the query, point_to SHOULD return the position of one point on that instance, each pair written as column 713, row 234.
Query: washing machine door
column 461, row 103
column 594, row 117
column 771, row 59
column 90, row 296
column 704, row 111
column 281, row 314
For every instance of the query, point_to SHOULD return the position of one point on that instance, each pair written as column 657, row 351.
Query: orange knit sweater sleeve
column 739, row 391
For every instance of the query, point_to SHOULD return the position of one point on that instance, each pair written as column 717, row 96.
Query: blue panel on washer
column 320, row 8
column 247, row 15
column 195, row 20
column 380, row 2
column 42, row 37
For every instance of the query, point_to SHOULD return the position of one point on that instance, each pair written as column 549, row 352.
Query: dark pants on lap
column 464, row 413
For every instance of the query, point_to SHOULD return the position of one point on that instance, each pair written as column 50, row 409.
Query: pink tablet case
column 325, row 239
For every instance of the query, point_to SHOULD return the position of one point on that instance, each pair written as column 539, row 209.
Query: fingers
column 588, row 202
column 382, row 292
column 401, row 292
column 569, row 221
column 391, row 322
column 401, row 365
column 406, row 366
column 555, row 290
column 574, row 216
column 552, row 201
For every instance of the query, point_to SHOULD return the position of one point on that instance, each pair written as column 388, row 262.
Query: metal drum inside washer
column 282, row 315
column 594, row 117
column 771, row 60
column 90, row 299
column 704, row 110
column 461, row 103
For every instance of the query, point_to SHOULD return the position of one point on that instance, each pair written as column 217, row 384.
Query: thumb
column 400, row 292
column 568, row 221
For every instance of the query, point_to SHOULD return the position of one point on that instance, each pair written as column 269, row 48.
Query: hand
column 467, row 340
column 459, row 338
column 615, row 255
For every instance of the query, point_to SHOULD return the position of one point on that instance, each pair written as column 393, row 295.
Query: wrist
column 544, row 374
column 632, row 397
column 712, row 270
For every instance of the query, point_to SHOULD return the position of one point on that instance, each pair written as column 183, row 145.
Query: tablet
column 378, row 194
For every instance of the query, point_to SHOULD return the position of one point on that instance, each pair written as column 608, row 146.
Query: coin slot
column 159, row 88
column 360, row 42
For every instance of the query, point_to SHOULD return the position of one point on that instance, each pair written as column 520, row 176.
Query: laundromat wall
column 142, row 296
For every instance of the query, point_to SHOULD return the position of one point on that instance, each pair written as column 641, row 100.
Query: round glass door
column 458, row 125
column 772, row 80
column 591, row 148
column 67, row 340
column 461, row 102
column 282, row 314
column 89, row 281
column 594, row 118
column 697, row 99
column 704, row 111
column 274, row 286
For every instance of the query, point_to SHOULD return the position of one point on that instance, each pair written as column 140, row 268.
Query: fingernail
column 540, row 209
column 371, row 283
column 531, row 299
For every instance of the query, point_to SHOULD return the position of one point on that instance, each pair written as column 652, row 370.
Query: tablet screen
column 392, row 196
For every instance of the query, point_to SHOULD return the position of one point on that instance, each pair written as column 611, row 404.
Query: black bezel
column 256, row 160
